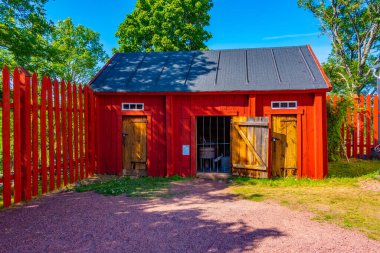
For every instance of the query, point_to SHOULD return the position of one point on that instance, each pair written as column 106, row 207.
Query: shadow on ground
column 89, row 222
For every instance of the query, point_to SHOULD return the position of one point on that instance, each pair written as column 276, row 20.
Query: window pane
column 275, row 105
column 284, row 105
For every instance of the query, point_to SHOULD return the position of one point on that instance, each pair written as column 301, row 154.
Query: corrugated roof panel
column 232, row 70
column 291, row 67
column 285, row 68
column 203, row 71
column 150, row 70
column 319, row 81
column 261, row 69
column 176, row 70
column 117, row 73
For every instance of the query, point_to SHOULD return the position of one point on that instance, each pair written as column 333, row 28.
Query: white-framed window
column 132, row 106
column 284, row 104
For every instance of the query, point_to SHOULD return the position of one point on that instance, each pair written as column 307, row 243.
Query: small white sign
column 185, row 149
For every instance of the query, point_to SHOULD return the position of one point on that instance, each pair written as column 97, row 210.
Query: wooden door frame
column 148, row 116
column 268, row 112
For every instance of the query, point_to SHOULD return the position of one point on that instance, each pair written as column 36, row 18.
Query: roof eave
column 320, row 68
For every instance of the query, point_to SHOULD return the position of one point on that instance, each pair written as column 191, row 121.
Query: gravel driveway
column 202, row 217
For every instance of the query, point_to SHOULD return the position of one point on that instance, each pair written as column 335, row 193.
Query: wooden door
column 134, row 145
column 284, row 145
column 249, row 146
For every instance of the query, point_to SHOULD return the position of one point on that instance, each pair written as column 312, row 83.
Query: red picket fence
column 47, row 135
column 360, row 132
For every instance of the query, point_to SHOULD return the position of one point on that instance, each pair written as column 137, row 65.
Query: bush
column 336, row 116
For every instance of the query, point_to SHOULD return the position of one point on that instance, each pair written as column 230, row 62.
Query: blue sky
column 234, row 24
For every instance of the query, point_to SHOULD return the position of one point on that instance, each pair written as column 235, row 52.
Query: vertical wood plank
column 64, row 127
column 355, row 128
column 361, row 126
column 17, row 136
column 92, row 136
column 26, row 173
column 75, row 109
column 86, row 105
column 375, row 120
column 43, row 135
column 70, row 131
column 81, row 160
column 57, row 112
column 35, row 133
column 51, row 135
column 368, row 127
column 6, row 138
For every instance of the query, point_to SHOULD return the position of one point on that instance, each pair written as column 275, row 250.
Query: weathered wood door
column 284, row 146
column 249, row 146
column 134, row 145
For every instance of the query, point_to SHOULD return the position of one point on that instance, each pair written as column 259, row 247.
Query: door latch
column 274, row 139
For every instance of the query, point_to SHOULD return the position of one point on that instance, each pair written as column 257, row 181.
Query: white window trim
column 125, row 105
column 287, row 105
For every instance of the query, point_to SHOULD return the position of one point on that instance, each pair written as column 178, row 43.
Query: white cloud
column 286, row 36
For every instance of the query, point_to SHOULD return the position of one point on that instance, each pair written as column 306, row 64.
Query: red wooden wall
column 171, row 124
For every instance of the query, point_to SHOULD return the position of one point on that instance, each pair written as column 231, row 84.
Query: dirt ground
column 202, row 217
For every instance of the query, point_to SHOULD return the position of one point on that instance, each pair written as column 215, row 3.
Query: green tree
column 165, row 25
column 353, row 27
column 24, row 32
column 80, row 52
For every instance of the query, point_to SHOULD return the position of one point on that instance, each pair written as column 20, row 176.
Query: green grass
column 337, row 199
column 144, row 187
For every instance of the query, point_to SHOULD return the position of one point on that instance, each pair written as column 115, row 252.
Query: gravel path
column 202, row 217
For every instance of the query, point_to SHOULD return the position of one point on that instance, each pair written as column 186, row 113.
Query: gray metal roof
column 260, row 69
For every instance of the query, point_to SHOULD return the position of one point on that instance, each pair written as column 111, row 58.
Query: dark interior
column 213, row 144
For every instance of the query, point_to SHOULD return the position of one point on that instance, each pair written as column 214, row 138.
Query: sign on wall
column 185, row 149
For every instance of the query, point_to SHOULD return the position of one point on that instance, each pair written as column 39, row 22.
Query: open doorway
column 213, row 144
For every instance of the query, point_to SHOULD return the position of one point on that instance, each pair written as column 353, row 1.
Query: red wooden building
column 257, row 112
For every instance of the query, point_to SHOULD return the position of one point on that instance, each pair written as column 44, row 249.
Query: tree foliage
column 79, row 52
column 336, row 116
column 353, row 27
column 62, row 50
column 165, row 25
column 23, row 32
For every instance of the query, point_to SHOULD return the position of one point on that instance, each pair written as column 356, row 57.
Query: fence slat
column 17, row 136
column 57, row 132
column 26, row 173
column 43, row 135
column 35, row 133
column 6, row 130
column 70, row 130
column 361, row 126
column 368, row 127
column 86, row 129
column 64, row 126
column 75, row 109
column 51, row 135
column 92, row 131
column 81, row 160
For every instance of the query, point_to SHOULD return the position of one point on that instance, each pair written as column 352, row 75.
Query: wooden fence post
column 17, row 136
column 57, row 113
column 64, row 126
column 26, row 175
column 43, row 135
column 35, row 133
column 7, row 198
